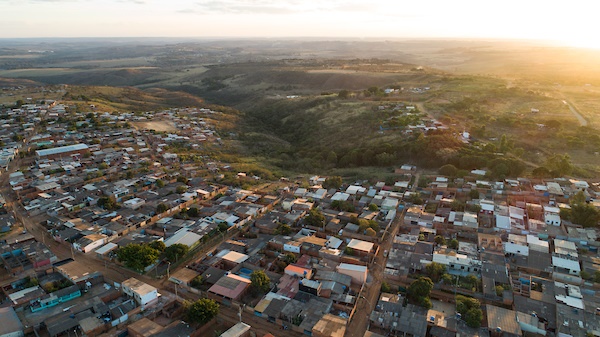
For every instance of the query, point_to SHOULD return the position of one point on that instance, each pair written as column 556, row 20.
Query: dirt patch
column 159, row 125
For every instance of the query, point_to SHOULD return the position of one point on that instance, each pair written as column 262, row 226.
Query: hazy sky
column 571, row 21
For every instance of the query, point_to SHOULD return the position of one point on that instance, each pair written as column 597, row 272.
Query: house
column 357, row 273
column 297, row 271
column 63, row 151
column 90, row 242
column 361, row 248
column 134, row 203
column 502, row 321
column 241, row 329
column 10, row 324
column 330, row 326
column 230, row 286
column 144, row 294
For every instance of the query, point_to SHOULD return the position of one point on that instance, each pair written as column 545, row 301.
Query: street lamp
column 168, row 270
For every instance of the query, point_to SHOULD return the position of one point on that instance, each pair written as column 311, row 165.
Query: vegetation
column 315, row 218
column 138, row 256
column 197, row 282
column 108, row 203
column 419, row 291
column 435, row 271
column 335, row 181
column 260, row 282
column 470, row 309
column 453, row 244
column 175, row 252
column 283, row 229
column 201, row 311
column 581, row 213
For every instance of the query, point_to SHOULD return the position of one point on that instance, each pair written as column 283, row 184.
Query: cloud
column 278, row 7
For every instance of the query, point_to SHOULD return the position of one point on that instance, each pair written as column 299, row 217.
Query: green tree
column 419, row 291
column 435, row 271
column 582, row 213
column 447, row 279
column 453, row 244
column 349, row 251
column 332, row 158
column 175, row 252
column 315, row 218
column 160, row 183
column 290, row 258
column 385, row 287
column 440, row 240
column 260, row 281
column 181, row 189
column 473, row 317
column 474, row 194
column 370, row 232
column 193, row 212
column 137, row 257
column 161, row 208
column 108, row 203
column 332, row 182
column 283, row 229
column 158, row 245
column 197, row 282
column 448, row 170
column 343, row 94
column 201, row 311
column 373, row 208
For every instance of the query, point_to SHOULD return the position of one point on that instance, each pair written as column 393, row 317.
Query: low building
column 10, row 324
column 144, row 294
column 230, row 287
column 89, row 242
column 357, row 273
column 241, row 329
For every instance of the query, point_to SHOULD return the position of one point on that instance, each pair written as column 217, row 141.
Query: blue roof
column 62, row 149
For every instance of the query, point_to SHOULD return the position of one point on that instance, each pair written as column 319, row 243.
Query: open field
column 156, row 125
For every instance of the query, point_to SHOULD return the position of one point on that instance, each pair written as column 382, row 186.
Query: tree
column 283, row 229
column 440, row 240
column 447, row 279
column 161, row 208
column 582, row 213
column 260, row 281
column 137, row 257
column 474, row 194
column 108, row 203
column 385, row 287
column 315, row 218
column 344, row 94
column 197, row 282
column 333, row 182
column 158, row 245
column 473, row 317
column 541, row 172
column 201, row 311
column 332, row 158
column 373, row 208
column 435, row 271
column 420, row 287
column 370, row 232
column 453, row 244
column 193, row 212
column 181, row 189
column 160, row 183
column 448, row 170
column 290, row 258
column 176, row 251
column 349, row 251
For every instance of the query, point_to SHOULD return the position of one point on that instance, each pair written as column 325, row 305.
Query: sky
column 571, row 22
